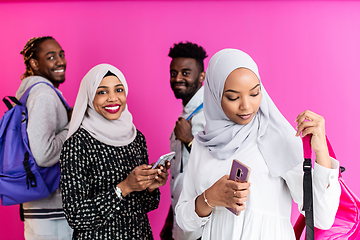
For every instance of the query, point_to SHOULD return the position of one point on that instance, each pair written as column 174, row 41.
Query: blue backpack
column 21, row 179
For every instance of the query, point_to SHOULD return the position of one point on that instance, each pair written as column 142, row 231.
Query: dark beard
column 188, row 92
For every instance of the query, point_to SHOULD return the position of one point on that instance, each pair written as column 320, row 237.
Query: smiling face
column 241, row 96
column 185, row 78
column 110, row 98
column 50, row 62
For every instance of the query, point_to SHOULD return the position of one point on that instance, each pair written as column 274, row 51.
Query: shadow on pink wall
column 307, row 53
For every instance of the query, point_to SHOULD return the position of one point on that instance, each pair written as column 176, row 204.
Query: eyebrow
column 50, row 53
column 230, row 90
column 183, row 69
column 118, row 85
column 53, row 52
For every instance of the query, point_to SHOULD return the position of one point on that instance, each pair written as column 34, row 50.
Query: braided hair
column 30, row 50
column 189, row 50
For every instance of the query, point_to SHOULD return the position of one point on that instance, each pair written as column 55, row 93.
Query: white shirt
column 176, row 180
column 268, row 209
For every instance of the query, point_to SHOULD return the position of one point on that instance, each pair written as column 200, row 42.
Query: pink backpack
column 347, row 219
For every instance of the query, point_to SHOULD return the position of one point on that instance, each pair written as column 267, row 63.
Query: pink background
column 307, row 53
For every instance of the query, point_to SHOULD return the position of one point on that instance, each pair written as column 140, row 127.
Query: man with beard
column 47, row 128
column 186, row 78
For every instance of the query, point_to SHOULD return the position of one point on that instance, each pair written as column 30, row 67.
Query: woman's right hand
column 140, row 178
column 223, row 193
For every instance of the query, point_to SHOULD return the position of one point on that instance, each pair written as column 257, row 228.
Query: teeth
column 112, row 108
column 60, row 70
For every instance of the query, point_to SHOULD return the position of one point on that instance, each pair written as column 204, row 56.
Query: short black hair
column 189, row 50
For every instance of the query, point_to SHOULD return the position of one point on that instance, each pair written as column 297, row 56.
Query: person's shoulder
column 44, row 89
column 42, row 92
column 199, row 148
column 139, row 135
column 140, row 139
column 78, row 137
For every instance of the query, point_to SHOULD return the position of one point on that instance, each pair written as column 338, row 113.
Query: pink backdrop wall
column 307, row 53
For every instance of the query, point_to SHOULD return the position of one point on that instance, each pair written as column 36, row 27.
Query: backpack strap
column 300, row 223
column 21, row 212
column 307, row 188
column 307, row 185
column 189, row 148
column 13, row 99
column 24, row 97
column 30, row 177
column 196, row 110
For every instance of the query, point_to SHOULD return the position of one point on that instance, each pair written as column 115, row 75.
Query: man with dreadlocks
column 47, row 129
column 186, row 78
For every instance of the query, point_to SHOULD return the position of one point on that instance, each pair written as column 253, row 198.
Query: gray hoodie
column 47, row 129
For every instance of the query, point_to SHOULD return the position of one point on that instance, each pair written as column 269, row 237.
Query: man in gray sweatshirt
column 47, row 128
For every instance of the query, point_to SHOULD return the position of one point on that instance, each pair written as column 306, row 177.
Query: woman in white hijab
column 107, row 183
column 243, row 123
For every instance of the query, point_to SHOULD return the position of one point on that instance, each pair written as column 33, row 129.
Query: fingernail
column 159, row 171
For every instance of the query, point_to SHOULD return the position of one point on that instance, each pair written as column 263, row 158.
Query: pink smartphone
column 163, row 159
column 239, row 173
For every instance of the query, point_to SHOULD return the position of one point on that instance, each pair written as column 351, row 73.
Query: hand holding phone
column 166, row 157
column 239, row 173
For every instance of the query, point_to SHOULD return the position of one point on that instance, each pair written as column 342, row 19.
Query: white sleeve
column 326, row 190
column 185, row 214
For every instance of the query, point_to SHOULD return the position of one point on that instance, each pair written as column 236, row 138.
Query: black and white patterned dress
column 90, row 170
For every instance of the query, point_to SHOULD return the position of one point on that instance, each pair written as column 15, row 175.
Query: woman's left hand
column 310, row 123
column 160, row 178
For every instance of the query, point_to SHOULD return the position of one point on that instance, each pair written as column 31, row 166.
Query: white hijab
column 275, row 136
column 119, row 132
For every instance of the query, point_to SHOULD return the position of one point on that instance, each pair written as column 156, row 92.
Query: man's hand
column 182, row 130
